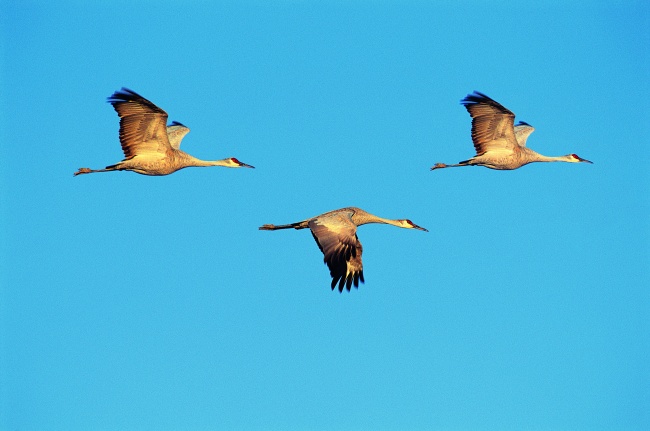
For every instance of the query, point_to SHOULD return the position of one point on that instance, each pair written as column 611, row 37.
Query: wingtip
column 474, row 98
column 122, row 95
column 127, row 95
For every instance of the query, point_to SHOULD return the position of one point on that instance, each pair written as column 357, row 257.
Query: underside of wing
column 492, row 124
column 175, row 133
column 336, row 237
column 143, row 125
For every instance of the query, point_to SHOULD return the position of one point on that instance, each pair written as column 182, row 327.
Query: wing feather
column 336, row 237
column 522, row 131
column 143, row 125
column 175, row 133
column 492, row 124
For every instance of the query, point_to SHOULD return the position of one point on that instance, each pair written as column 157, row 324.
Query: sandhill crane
column 335, row 233
column 150, row 146
column 498, row 142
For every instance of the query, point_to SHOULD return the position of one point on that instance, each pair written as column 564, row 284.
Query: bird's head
column 574, row 158
column 232, row 162
column 408, row 224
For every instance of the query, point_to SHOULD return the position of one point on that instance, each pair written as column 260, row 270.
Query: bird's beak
column 244, row 165
column 419, row 228
column 585, row 160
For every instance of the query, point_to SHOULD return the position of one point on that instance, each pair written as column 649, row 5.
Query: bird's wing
column 522, row 131
column 175, row 133
column 336, row 237
column 143, row 125
column 492, row 124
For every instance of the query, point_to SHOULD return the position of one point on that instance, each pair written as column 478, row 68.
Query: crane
column 150, row 146
column 499, row 143
column 335, row 233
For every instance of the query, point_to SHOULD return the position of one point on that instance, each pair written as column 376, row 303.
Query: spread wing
column 336, row 237
column 492, row 124
column 175, row 133
column 143, row 125
column 522, row 131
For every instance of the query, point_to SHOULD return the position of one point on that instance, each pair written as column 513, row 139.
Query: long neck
column 552, row 159
column 536, row 157
column 193, row 161
column 361, row 217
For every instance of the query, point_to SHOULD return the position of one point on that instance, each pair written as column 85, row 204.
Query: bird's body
column 499, row 143
column 150, row 146
column 335, row 233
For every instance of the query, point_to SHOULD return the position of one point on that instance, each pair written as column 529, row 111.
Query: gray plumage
column 335, row 233
column 150, row 146
column 499, row 144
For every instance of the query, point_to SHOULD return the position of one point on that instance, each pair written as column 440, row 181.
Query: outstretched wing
column 175, row 133
column 143, row 125
column 492, row 124
column 522, row 131
column 336, row 237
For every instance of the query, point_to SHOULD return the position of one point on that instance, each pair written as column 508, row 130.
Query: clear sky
column 130, row 302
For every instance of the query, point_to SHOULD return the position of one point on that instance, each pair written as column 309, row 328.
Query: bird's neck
column 365, row 218
column 543, row 158
column 389, row 221
column 201, row 163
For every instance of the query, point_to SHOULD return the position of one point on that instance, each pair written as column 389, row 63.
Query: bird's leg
column 82, row 171
column 299, row 225
column 89, row 171
column 442, row 165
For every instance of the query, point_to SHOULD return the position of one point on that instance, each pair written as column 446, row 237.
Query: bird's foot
column 82, row 171
column 438, row 166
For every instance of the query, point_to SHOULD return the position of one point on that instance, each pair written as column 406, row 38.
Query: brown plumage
column 335, row 233
column 150, row 146
column 499, row 143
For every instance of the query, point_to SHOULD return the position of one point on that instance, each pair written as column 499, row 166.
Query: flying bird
column 499, row 143
column 335, row 233
column 150, row 146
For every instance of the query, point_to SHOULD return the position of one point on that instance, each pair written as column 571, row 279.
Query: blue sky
column 133, row 302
